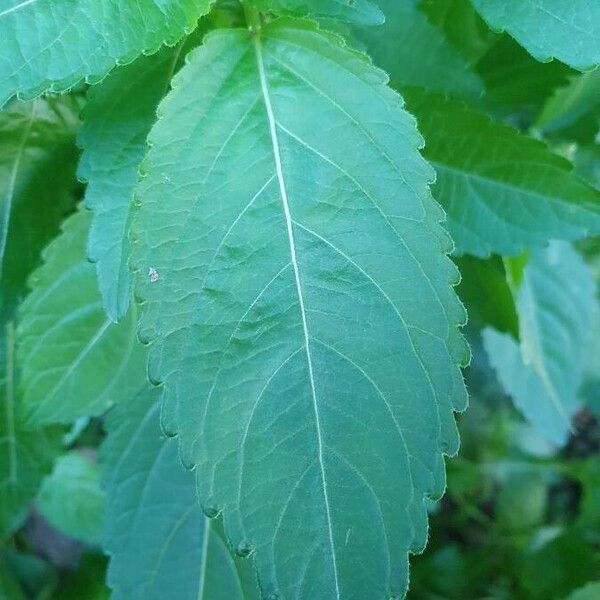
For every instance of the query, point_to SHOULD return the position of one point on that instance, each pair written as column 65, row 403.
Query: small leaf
column 74, row 361
column 556, row 303
column 568, row 31
column 161, row 544
column 71, row 499
column 302, row 317
column 50, row 45
column 501, row 189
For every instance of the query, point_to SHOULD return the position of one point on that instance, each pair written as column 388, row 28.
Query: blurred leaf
column 71, row 499
column 555, row 302
column 590, row 591
column 485, row 292
column 558, row 566
column 568, row 31
column 415, row 52
column 74, row 360
column 86, row 582
column 38, row 157
column 522, row 500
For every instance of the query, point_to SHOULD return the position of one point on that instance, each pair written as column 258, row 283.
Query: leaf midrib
column 292, row 246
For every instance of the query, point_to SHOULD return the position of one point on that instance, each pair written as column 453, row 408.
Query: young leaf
column 161, row 544
column 363, row 12
column 502, row 190
column 415, row 52
column 25, row 456
column 117, row 119
column 74, row 361
column 49, row 45
column 294, row 280
column 556, row 302
column 37, row 182
column 71, row 499
column 568, row 31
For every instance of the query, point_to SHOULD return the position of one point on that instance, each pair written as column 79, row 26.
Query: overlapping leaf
column 161, row 544
column 70, row 497
column 25, row 456
column 295, row 285
column 117, row 119
column 37, row 182
column 53, row 44
column 74, row 361
column 569, row 31
column 502, row 190
column 352, row 11
column 415, row 52
column 556, row 303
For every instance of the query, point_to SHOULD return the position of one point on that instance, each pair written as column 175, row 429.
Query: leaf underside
column 300, row 307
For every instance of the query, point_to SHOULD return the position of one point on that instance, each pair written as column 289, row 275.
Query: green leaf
column 117, row 119
column 517, row 85
column 50, row 45
column 556, row 303
column 295, row 286
column 71, row 499
column 74, row 361
column 25, row 456
column 502, row 190
column 484, row 290
column 9, row 586
column 37, row 182
column 572, row 102
column 590, row 591
column 415, row 52
column 351, row 11
column 568, row 31
column 462, row 25
column 161, row 544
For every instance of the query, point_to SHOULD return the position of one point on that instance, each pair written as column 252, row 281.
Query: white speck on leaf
column 152, row 274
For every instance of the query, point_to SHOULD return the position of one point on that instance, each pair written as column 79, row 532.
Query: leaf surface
column 294, row 281
column 415, row 52
column 50, row 45
column 502, row 190
column 161, row 544
column 568, row 31
column 74, row 361
column 117, row 118
column 556, row 304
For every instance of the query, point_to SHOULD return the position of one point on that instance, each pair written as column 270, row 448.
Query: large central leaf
column 294, row 279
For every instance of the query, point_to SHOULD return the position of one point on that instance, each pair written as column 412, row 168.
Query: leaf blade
column 259, row 326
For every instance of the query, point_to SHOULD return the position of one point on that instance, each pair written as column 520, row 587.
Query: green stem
column 253, row 19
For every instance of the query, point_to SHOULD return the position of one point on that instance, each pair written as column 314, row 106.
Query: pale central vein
column 290, row 232
column 16, row 7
